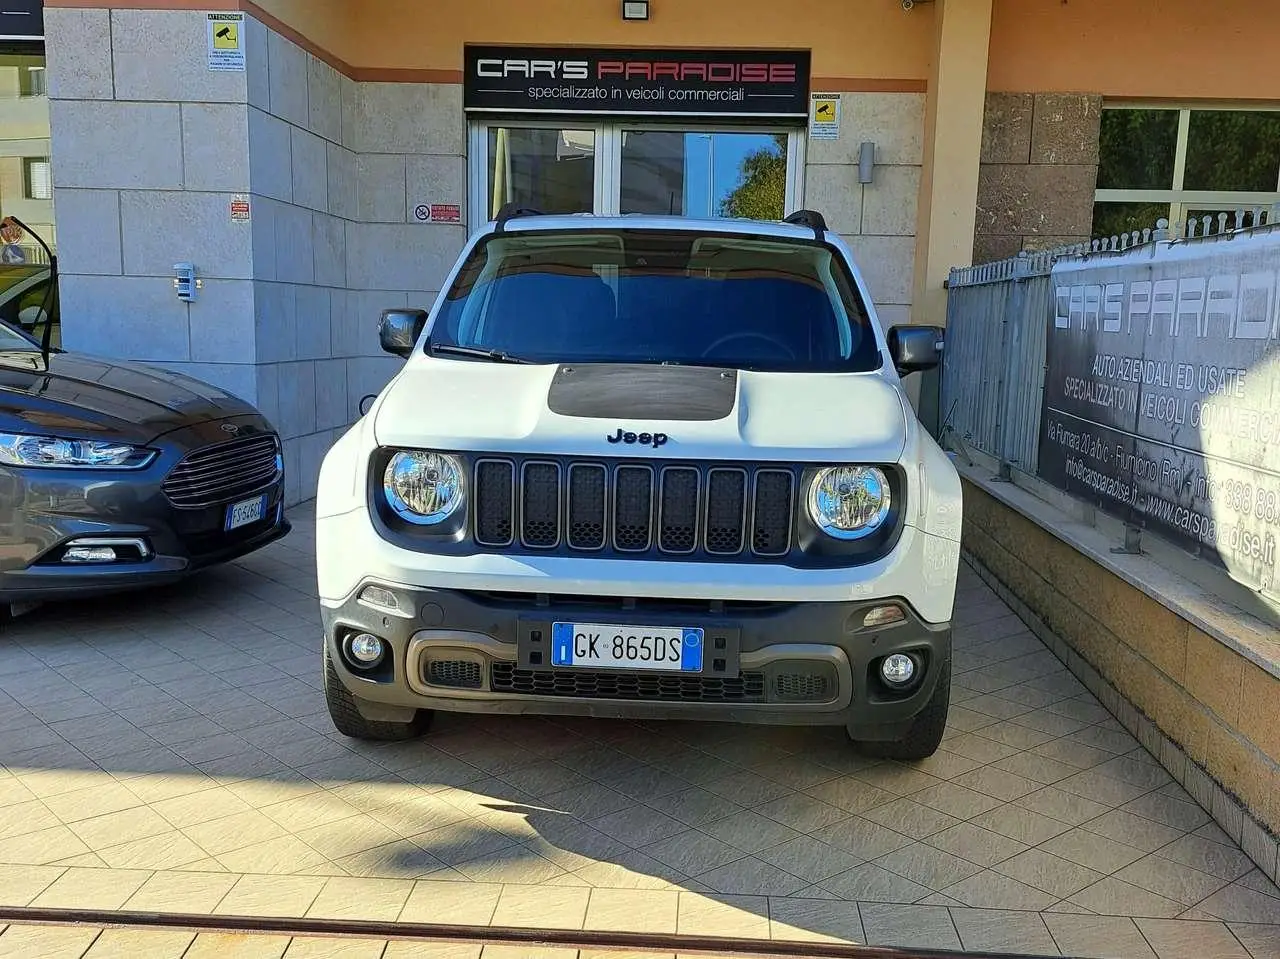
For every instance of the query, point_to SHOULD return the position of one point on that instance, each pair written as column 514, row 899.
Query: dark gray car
column 116, row 475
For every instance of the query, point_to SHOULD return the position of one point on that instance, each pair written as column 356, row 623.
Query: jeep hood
column 704, row 412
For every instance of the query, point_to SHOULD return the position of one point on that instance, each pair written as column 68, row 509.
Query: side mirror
column 399, row 329
column 915, row 348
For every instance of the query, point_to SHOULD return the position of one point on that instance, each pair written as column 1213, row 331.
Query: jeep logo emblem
column 653, row 440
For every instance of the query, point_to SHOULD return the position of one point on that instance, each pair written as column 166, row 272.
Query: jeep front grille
column 634, row 509
column 588, row 684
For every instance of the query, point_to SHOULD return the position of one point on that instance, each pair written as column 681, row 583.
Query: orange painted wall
column 849, row 38
column 326, row 23
column 1192, row 49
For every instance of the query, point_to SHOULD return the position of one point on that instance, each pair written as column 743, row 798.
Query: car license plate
column 627, row 647
column 245, row 512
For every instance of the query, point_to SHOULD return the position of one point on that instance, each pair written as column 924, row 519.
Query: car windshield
column 658, row 296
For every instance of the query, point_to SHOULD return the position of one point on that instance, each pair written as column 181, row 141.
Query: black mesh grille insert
column 586, row 506
column 678, row 510
column 726, row 499
column 540, row 505
column 802, row 687
column 588, row 684
column 457, row 673
column 632, row 508
column 495, row 481
column 771, row 518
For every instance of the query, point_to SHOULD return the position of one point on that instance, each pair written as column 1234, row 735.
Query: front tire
column 348, row 720
column 925, row 734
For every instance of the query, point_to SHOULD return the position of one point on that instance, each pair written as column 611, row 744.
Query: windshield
column 659, row 296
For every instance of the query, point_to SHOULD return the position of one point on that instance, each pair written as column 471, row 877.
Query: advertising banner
column 1162, row 395
column 636, row 82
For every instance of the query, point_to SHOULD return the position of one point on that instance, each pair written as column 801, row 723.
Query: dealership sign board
column 1162, row 394
column 634, row 82
column 22, row 20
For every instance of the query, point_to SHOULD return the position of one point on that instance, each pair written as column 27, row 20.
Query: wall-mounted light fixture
column 866, row 161
column 635, row 9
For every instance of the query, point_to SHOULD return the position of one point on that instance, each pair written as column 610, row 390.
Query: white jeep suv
column 644, row 467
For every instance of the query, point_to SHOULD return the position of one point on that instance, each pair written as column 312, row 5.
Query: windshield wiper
column 493, row 356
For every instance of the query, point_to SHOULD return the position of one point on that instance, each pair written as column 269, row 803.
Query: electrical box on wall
column 185, row 282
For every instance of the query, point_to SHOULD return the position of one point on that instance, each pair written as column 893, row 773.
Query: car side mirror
column 915, row 348
column 399, row 329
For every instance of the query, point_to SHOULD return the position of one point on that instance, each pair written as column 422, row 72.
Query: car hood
column 701, row 412
column 80, row 395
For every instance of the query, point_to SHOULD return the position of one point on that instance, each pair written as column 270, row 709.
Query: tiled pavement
column 171, row 752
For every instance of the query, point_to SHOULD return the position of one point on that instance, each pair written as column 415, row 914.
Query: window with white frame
column 1184, row 162
column 39, row 178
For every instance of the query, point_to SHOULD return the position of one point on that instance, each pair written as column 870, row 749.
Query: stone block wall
column 1038, row 173
column 1207, row 711
column 877, row 219
column 149, row 149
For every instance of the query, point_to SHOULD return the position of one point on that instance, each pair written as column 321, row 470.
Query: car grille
column 588, row 684
column 634, row 509
column 218, row 474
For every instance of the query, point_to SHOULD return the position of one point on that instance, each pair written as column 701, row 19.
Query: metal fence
column 998, row 316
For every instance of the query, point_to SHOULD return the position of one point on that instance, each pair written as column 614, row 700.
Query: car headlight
column 423, row 488
column 849, row 502
column 20, row 449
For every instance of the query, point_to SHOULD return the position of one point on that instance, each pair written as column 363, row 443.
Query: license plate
column 245, row 512
column 627, row 647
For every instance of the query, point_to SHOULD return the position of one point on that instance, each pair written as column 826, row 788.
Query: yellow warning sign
column 824, row 116
column 225, row 41
column 226, row 36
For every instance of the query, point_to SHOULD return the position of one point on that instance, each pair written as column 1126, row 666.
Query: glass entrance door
column 651, row 169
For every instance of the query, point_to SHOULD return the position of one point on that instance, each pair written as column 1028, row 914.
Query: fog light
column 380, row 598
column 898, row 670
column 89, row 554
column 883, row 616
column 365, row 650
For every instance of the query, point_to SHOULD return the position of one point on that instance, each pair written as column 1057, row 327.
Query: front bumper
column 792, row 663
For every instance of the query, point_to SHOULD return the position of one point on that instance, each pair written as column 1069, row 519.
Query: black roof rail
column 810, row 218
column 510, row 211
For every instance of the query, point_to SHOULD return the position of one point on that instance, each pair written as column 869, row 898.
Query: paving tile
column 41, row 847
column 1037, row 768
column 872, row 883
column 1262, row 941
column 522, row 952
column 563, row 907
column 84, row 804
column 1098, row 937
column 1173, row 880
column 993, row 890
column 194, row 892
column 47, row 942
column 749, row 831
column 1020, row 824
column 921, row 927
column 693, row 852
column 254, row 895
column 747, row 788
column 976, row 844
column 815, row 920
column 347, row 837
column 1068, row 807
column 996, row 931
column 1181, row 939
column 955, row 800
column 998, row 783
column 745, row 917
column 808, row 858
column 639, row 826
column 1115, row 897
column 1211, row 830
column 1237, row 903
column 140, row 944
column 1168, row 810
column 315, row 948
column 409, row 949
column 91, row 889
column 19, row 884
column 1048, row 873
column 451, row 903
column 1216, row 859
column 928, row 865
column 910, row 818
column 1136, row 831
column 632, row 910
column 802, row 813
column 515, row 864
column 851, row 794
column 751, row 877
column 360, row 898
column 120, row 827
column 896, row 778
column 1092, row 850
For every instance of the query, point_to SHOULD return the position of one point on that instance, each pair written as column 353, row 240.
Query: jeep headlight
column 423, row 488
column 849, row 502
